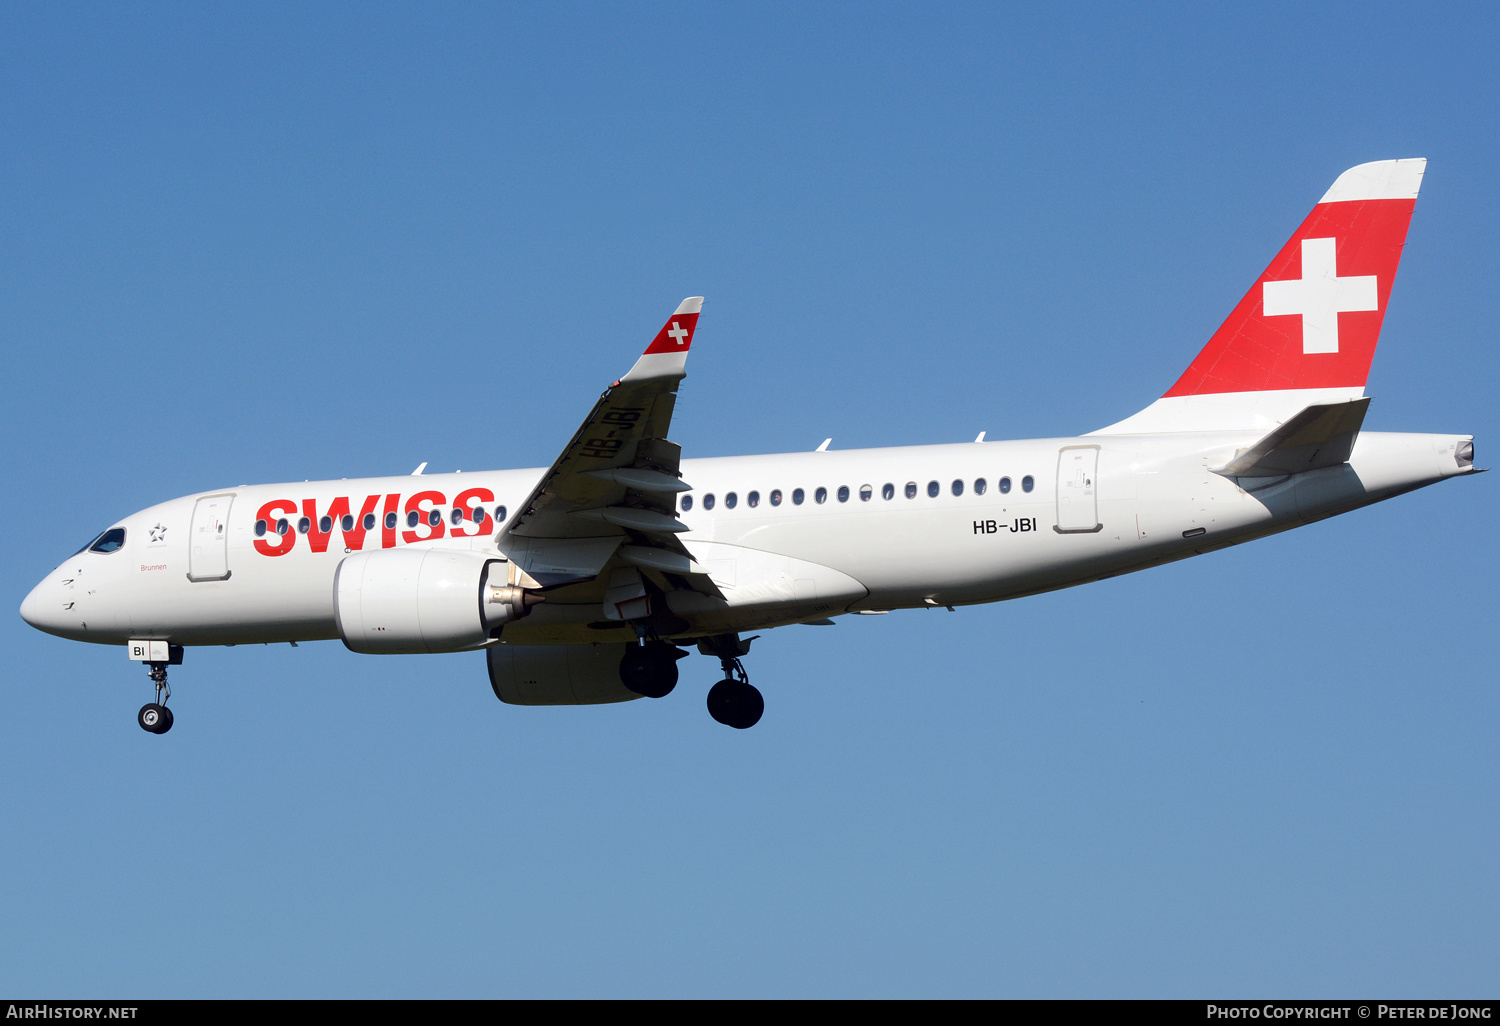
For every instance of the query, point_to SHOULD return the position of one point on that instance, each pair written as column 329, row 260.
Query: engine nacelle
column 396, row 601
column 558, row 674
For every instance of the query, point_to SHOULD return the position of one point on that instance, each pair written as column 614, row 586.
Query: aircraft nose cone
column 43, row 609
column 31, row 607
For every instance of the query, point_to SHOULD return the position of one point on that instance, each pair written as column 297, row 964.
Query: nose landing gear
column 155, row 717
column 734, row 701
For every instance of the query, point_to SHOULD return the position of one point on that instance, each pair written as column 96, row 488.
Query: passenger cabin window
column 776, row 496
column 1027, row 484
column 412, row 518
column 958, row 487
column 933, row 488
column 687, row 503
column 865, row 492
column 325, row 524
column 369, row 521
column 457, row 516
column 843, row 493
column 110, row 541
column 731, row 500
column 477, row 514
column 1005, row 486
column 499, row 514
column 980, row 484
column 260, row 529
column 887, row 491
column 347, row 522
column 708, row 501
column 304, row 525
column 390, row 521
column 282, row 526
column 911, row 489
column 753, row 498
column 820, row 496
column 797, row 496
column 435, row 517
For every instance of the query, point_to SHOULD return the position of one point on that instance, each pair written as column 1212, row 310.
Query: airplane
column 585, row 582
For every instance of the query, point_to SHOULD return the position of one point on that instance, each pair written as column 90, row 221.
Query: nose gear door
column 1077, row 490
column 208, row 539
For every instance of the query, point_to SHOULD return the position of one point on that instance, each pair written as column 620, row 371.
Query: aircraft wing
column 610, row 498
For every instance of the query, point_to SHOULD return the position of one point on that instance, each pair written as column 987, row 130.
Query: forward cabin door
column 208, row 539
column 1077, row 490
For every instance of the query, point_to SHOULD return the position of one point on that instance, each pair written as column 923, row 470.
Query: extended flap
column 1320, row 436
column 553, row 562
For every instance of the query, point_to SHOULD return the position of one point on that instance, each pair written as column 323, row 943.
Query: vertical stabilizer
column 1306, row 331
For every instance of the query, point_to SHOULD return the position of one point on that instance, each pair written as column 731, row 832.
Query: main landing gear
column 155, row 716
column 650, row 668
column 734, row 701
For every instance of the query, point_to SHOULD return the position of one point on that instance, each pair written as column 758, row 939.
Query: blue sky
column 308, row 242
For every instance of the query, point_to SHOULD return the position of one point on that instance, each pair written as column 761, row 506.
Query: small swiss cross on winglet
column 677, row 334
column 666, row 356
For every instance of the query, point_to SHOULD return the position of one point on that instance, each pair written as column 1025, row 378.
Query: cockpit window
column 109, row 541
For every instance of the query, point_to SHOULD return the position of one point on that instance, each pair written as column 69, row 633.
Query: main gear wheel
column 736, row 703
column 650, row 668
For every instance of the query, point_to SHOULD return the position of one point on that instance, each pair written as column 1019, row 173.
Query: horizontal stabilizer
column 1320, row 436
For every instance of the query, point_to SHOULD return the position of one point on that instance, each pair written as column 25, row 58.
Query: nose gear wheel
column 157, row 719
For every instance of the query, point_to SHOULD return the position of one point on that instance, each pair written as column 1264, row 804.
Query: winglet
column 666, row 356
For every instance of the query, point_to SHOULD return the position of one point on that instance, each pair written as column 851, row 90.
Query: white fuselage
column 1152, row 498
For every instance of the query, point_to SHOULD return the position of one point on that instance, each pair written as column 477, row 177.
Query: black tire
column 752, row 705
column 735, row 704
column 166, row 720
column 151, row 717
column 635, row 669
column 650, row 669
column 721, row 701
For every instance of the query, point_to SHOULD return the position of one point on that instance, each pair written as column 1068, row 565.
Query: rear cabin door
column 208, row 539
column 1077, row 490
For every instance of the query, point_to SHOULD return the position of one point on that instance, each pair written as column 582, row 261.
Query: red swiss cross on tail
column 1313, row 317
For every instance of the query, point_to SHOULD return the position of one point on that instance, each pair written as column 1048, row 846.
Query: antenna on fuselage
column 824, row 446
column 420, row 467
